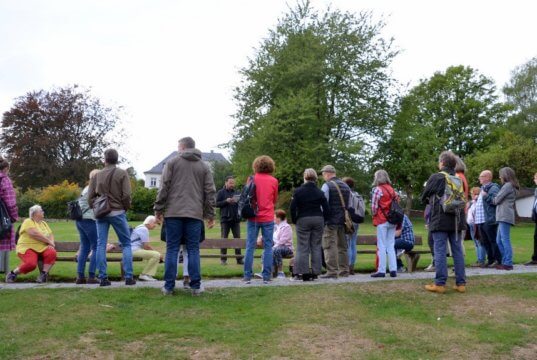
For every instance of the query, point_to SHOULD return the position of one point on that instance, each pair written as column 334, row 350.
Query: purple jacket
column 7, row 195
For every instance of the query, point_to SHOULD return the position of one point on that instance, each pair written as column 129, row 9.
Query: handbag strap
column 340, row 196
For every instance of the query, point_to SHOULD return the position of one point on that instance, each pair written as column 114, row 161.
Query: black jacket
column 434, row 190
column 337, row 214
column 228, row 212
column 309, row 200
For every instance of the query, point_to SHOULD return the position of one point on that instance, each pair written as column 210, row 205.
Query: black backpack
column 5, row 220
column 247, row 206
column 73, row 210
column 395, row 214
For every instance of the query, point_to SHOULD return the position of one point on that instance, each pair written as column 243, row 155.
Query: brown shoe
column 440, row 289
column 80, row 281
column 351, row 272
column 93, row 281
column 460, row 288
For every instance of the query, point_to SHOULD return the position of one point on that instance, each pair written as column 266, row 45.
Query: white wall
column 149, row 177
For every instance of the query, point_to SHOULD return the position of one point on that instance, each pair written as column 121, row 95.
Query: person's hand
column 210, row 223
column 159, row 217
column 51, row 243
column 230, row 200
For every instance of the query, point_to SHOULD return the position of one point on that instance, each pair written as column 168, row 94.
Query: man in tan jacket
column 115, row 184
column 186, row 197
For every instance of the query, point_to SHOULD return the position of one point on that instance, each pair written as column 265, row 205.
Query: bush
column 142, row 201
column 54, row 199
column 284, row 201
column 26, row 200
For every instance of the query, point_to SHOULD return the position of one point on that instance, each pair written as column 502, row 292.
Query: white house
column 152, row 177
column 524, row 202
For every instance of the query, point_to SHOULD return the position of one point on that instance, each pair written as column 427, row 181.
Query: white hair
column 35, row 209
column 150, row 220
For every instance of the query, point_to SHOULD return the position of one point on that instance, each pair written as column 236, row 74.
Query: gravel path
column 237, row 283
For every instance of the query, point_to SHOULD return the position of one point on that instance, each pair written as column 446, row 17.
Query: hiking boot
column 460, row 288
column 186, row 282
column 378, row 275
column 440, row 289
column 130, row 281
column 80, row 281
column 11, row 277
column 42, row 278
column 430, row 268
column 92, row 280
column 105, row 282
column 393, row 273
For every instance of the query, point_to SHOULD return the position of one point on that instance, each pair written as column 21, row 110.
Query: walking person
column 334, row 241
column 266, row 194
column 227, row 202
column 533, row 260
column 383, row 195
column 505, row 216
column 8, row 197
column 486, row 216
column 186, row 197
column 309, row 211
column 115, row 184
column 87, row 230
column 444, row 227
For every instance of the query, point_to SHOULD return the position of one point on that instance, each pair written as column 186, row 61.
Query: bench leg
column 121, row 268
column 412, row 261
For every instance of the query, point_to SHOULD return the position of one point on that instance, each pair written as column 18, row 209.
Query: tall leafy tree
column 457, row 110
column 521, row 94
column 317, row 91
column 56, row 135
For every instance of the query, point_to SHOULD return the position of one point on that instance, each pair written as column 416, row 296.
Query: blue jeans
column 440, row 239
column 87, row 229
column 121, row 227
column 504, row 243
column 267, row 231
column 480, row 250
column 351, row 246
column 402, row 245
column 176, row 229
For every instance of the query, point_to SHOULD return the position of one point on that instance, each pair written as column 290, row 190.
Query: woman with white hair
column 35, row 241
column 87, row 229
column 141, row 248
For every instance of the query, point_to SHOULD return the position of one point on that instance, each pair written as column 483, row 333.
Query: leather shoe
column 378, row 275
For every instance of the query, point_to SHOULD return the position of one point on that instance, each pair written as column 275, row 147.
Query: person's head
column 508, row 175
column 4, row 165
column 349, row 181
column 310, row 175
column 111, row 157
column 230, row 183
column 460, row 166
column 328, row 172
column 475, row 192
column 36, row 213
column 485, row 177
column 447, row 160
column 150, row 222
column 263, row 164
column 186, row 143
column 279, row 216
column 381, row 177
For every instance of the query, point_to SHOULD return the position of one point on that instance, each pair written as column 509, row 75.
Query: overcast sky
column 173, row 64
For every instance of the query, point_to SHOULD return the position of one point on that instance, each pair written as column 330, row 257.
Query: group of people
column 187, row 197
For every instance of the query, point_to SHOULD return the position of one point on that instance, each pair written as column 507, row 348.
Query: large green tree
column 56, row 135
column 521, row 94
column 316, row 92
column 457, row 109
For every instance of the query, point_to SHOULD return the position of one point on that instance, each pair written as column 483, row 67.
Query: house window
column 153, row 182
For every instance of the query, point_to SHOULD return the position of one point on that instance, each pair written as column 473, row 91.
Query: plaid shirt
column 479, row 216
column 7, row 194
column 377, row 194
column 407, row 233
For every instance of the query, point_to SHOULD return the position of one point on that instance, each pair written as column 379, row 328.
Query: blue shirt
column 407, row 234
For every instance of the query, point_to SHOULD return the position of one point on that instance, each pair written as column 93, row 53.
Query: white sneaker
column 258, row 275
column 430, row 268
column 145, row 277
column 281, row 275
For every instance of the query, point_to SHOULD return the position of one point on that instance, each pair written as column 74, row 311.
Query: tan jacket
column 187, row 188
column 119, row 192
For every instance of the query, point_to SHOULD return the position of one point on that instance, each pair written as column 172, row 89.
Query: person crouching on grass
column 35, row 241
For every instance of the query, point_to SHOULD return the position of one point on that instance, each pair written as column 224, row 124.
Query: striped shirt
column 479, row 216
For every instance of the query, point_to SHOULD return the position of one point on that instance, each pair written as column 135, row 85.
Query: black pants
column 488, row 234
column 235, row 228
column 534, row 257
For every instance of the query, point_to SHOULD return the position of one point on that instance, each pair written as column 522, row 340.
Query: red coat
column 266, row 191
column 384, row 204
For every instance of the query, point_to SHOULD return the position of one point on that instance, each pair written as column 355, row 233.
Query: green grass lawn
column 522, row 240
column 495, row 319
